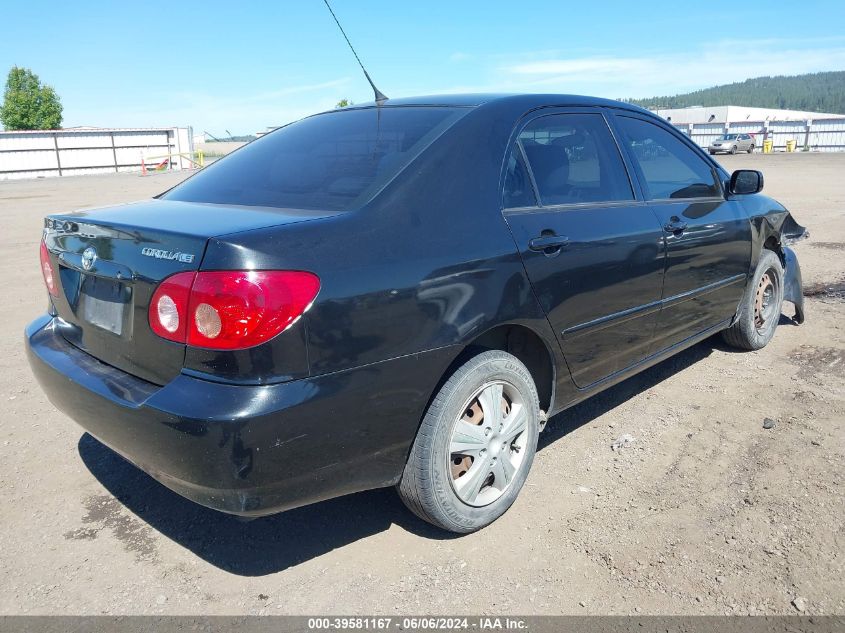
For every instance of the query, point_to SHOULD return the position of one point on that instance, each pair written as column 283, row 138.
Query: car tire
column 760, row 308
column 733, row 149
column 751, row 149
column 432, row 484
column 711, row 152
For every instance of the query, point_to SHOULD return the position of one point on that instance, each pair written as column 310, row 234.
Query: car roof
column 528, row 101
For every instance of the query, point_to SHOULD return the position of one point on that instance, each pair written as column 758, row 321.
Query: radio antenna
column 380, row 97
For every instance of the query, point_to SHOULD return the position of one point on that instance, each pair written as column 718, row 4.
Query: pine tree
column 814, row 92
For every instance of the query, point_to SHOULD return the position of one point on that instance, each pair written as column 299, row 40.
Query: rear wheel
column 759, row 311
column 475, row 446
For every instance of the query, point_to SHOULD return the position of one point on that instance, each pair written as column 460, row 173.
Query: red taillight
column 168, row 312
column 230, row 309
column 48, row 272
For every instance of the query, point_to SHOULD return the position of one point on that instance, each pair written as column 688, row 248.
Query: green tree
column 343, row 103
column 29, row 105
column 813, row 92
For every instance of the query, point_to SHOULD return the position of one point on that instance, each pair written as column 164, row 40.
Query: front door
column 708, row 238
column 593, row 251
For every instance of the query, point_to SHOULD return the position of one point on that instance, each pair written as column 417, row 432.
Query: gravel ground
column 704, row 512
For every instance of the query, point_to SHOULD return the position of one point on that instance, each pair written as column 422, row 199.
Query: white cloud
column 459, row 56
column 643, row 74
column 561, row 67
column 652, row 73
column 216, row 111
column 669, row 73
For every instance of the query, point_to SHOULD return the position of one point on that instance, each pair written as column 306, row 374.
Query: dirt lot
column 706, row 512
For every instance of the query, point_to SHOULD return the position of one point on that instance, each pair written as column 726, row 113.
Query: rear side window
column 668, row 167
column 574, row 159
column 518, row 190
column 334, row 161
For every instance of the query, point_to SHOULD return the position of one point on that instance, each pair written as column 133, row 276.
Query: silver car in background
column 732, row 143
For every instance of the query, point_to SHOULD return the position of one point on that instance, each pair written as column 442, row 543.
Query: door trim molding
column 592, row 389
column 596, row 325
column 698, row 292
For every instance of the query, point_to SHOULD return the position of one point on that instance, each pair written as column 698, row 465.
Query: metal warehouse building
column 86, row 150
column 813, row 131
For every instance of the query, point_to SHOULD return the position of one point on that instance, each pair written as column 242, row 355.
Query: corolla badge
column 89, row 256
column 159, row 253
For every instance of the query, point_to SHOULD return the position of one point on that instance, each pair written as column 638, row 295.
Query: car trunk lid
column 109, row 261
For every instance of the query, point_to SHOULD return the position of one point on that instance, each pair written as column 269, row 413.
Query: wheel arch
column 775, row 237
column 773, row 231
column 522, row 342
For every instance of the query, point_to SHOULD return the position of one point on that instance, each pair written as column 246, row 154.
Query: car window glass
column 518, row 191
column 574, row 158
column 334, row 161
column 670, row 168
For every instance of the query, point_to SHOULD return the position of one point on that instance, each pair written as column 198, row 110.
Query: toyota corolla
column 400, row 295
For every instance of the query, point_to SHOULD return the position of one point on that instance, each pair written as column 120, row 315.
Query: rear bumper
column 246, row 449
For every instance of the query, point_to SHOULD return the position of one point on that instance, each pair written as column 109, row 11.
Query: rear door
column 747, row 142
column 708, row 237
column 592, row 249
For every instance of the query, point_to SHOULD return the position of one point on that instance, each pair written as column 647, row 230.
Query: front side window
column 668, row 167
column 334, row 162
column 574, row 159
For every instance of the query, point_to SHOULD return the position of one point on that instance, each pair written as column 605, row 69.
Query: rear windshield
column 334, row 161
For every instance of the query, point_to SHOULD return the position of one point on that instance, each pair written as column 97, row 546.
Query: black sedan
column 400, row 295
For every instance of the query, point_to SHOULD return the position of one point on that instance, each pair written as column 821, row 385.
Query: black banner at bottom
column 524, row 624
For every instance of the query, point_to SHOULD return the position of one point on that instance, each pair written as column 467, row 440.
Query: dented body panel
column 774, row 228
column 428, row 267
column 793, row 288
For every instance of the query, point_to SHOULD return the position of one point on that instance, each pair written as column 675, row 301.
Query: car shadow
column 271, row 544
column 574, row 417
column 242, row 546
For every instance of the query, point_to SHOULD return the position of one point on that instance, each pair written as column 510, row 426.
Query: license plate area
column 103, row 303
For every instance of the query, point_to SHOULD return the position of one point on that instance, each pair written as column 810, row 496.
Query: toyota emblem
column 89, row 256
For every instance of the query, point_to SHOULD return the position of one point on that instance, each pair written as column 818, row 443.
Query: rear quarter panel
column 428, row 263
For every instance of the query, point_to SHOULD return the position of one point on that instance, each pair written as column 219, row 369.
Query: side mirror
column 746, row 181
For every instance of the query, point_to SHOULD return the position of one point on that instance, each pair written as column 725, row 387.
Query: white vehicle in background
column 732, row 143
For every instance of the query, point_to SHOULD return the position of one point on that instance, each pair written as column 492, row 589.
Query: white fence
column 36, row 154
column 820, row 135
column 827, row 135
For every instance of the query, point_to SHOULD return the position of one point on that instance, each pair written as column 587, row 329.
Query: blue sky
column 245, row 65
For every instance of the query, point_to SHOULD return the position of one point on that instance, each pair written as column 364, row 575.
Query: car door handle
column 675, row 225
column 547, row 243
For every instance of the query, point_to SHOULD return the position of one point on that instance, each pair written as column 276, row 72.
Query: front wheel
column 751, row 149
column 759, row 310
column 475, row 445
column 733, row 149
